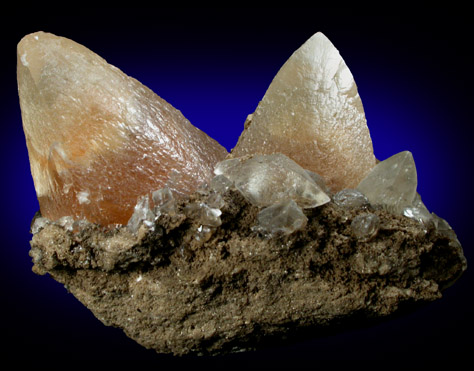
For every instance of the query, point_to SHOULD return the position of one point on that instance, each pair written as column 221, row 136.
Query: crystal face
column 365, row 226
column 267, row 179
column 312, row 113
column 392, row 183
column 98, row 139
column 350, row 198
column 283, row 217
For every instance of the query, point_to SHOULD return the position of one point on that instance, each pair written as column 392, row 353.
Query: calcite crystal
column 392, row 183
column 97, row 139
column 267, row 179
column 282, row 217
column 312, row 113
column 307, row 236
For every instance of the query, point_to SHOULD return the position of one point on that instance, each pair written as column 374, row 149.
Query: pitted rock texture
column 238, row 289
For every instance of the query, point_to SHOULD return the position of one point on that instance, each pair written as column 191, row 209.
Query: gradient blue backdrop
column 415, row 79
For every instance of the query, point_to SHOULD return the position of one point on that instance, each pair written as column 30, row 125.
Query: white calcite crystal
column 312, row 113
column 422, row 215
column 38, row 224
column 284, row 217
column 392, row 183
column 164, row 201
column 220, row 183
column 350, row 198
column 205, row 214
column 67, row 222
column 266, row 179
column 142, row 214
column 365, row 226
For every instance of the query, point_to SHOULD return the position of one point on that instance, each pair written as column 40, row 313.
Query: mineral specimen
column 350, row 198
column 141, row 214
column 365, row 225
column 392, row 183
column 97, row 139
column 267, row 179
column 282, row 217
column 258, row 252
column 312, row 113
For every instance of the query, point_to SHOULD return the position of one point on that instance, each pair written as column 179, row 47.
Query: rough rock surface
column 173, row 291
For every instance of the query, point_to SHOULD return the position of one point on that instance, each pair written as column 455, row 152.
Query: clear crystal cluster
column 278, row 184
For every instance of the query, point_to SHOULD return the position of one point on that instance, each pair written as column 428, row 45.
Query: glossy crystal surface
column 283, row 217
column 267, row 179
column 98, row 139
column 392, row 183
column 312, row 113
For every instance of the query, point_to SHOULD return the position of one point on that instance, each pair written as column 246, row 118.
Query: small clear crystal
column 220, row 183
column 392, row 183
column 164, row 201
column 39, row 223
column 420, row 214
column 283, row 217
column 365, row 226
column 204, row 233
column 141, row 214
column 206, row 215
column 319, row 180
column 266, row 179
column 348, row 198
column 215, row 200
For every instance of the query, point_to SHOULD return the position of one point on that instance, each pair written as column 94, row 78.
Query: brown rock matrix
column 98, row 139
column 238, row 289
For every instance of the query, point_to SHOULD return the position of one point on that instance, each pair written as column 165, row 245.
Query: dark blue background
column 414, row 75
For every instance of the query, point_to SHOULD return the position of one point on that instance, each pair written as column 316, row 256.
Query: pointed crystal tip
column 98, row 139
column 312, row 113
column 392, row 183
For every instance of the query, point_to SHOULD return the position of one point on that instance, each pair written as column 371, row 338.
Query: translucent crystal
column 418, row 211
column 164, row 201
column 267, row 179
column 419, row 214
column 204, row 233
column 220, row 183
column 215, row 200
column 350, row 198
column 98, row 139
column 365, row 226
column 283, row 217
column 39, row 223
column 392, row 183
column 319, row 180
column 141, row 214
column 312, row 113
column 206, row 215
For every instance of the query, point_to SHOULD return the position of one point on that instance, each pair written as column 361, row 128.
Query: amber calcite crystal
column 98, row 139
column 313, row 114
